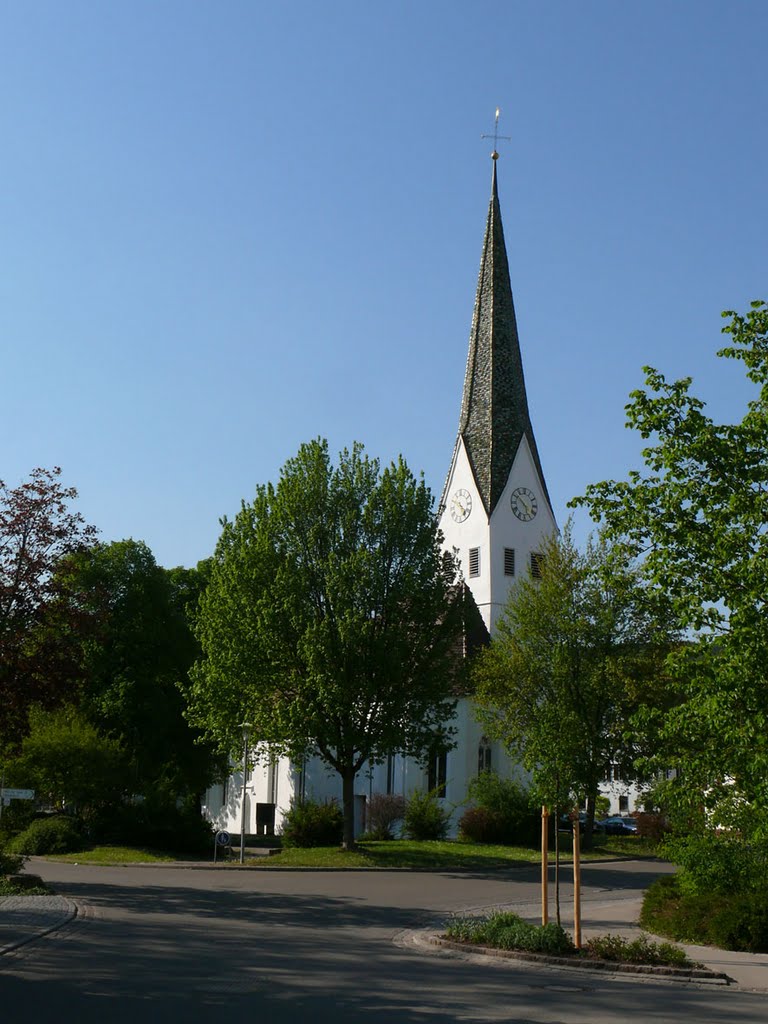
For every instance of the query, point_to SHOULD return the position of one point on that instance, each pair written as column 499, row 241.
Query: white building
column 495, row 512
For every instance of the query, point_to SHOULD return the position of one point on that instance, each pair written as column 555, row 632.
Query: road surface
column 171, row 945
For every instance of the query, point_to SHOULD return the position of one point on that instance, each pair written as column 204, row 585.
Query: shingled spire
column 494, row 408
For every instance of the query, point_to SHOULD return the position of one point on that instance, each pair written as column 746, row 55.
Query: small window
column 390, row 774
column 437, row 774
column 484, row 756
column 474, row 561
column 509, row 561
column 614, row 772
column 623, row 804
column 537, row 564
column 272, row 773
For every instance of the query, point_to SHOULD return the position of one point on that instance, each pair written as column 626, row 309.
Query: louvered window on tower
column 537, row 564
column 509, row 561
column 474, row 561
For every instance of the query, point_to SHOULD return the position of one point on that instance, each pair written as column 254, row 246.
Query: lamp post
column 246, row 727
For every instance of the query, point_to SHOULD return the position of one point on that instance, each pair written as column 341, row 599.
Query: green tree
column 573, row 654
column 697, row 516
column 331, row 618
column 37, row 529
column 134, row 664
column 67, row 761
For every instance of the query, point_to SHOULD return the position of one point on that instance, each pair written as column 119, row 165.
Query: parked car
column 619, row 825
column 565, row 823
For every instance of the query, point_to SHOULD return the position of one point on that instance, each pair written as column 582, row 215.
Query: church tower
column 495, row 509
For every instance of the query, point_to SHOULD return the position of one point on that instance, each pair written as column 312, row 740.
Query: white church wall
column 507, row 531
column 470, row 532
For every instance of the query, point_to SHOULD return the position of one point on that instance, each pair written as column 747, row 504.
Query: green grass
column 114, row 855
column 627, row 846
column 314, row 857
column 438, row 855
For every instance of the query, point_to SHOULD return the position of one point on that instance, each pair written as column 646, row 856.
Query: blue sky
column 229, row 228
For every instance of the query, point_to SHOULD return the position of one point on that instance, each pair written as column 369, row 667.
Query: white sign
column 17, row 794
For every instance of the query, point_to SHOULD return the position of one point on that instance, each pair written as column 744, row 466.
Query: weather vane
column 496, row 136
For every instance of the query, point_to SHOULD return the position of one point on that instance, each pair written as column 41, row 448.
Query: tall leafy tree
column 37, row 529
column 135, row 661
column 574, row 654
column 332, row 617
column 697, row 515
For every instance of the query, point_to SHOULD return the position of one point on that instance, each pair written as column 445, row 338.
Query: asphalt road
column 174, row 945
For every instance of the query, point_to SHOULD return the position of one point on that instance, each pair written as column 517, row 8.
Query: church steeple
column 494, row 410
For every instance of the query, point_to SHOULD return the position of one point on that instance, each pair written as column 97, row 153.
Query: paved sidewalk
column 24, row 918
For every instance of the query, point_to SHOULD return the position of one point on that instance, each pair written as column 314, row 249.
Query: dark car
column 618, row 825
column 565, row 823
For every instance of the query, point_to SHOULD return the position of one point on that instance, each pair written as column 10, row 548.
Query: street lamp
column 246, row 727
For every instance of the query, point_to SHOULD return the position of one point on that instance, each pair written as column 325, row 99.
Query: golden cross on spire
column 496, row 136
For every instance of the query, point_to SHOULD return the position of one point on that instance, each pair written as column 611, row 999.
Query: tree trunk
column 589, row 824
column 348, row 805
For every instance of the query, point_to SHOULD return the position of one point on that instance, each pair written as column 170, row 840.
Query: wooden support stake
column 544, row 865
column 576, row 882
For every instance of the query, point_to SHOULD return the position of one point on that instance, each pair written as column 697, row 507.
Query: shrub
column 506, row 814
column 735, row 921
column 10, row 863
column 479, row 825
column 157, row 826
column 636, row 951
column 384, row 811
column 48, row 835
column 311, row 823
column 741, row 924
column 505, row 796
column 17, row 816
column 466, row 929
column 720, row 864
column 505, row 930
column 23, row 885
column 508, row 931
column 651, row 825
column 425, row 818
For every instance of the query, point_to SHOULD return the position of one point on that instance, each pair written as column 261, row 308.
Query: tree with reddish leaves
column 37, row 530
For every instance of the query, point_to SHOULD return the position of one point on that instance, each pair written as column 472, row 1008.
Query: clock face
column 461, row 506
column 524, row 504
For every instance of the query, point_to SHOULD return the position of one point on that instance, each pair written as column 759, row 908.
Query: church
column 495, row 512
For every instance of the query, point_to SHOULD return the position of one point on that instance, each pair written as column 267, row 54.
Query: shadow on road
column 179, row 953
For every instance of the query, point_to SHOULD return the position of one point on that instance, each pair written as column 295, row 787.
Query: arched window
column 484, row 755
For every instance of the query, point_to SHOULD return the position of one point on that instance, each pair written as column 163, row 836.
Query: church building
column 495, row 512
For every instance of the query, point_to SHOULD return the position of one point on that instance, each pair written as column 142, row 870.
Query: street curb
column 270, row 865
column 700, row 975
column 69, row 911
column 181, row 866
